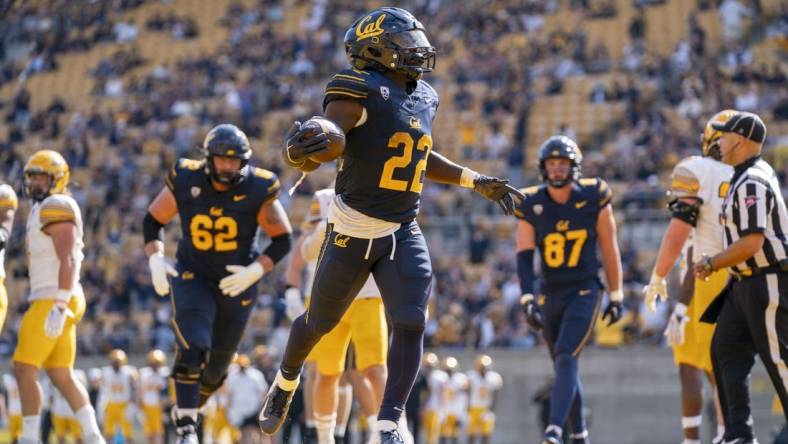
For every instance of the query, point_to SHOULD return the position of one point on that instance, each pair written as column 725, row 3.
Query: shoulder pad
column 348, row 84
column 182, row 164
column 57, row 208
column 598, row 188
column 519, row 210
column 529, row 191
column 8, row 197
column 684, row 181
column 270, row 181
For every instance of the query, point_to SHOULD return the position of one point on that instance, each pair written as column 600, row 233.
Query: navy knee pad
column 409, row 317
column 189, row 365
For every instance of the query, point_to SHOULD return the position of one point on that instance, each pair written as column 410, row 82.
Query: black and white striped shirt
column 755, row 204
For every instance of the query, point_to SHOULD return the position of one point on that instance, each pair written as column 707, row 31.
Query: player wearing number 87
column 221, row 201
column 386, row 111
column 565, row 218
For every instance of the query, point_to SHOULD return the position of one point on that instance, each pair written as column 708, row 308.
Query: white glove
column 159, row 270
column 294, row 305
column 676, row 325
column 56, row 319
column 656, row 289
column 241, row 278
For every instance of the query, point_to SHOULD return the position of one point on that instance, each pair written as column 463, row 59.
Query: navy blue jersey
column 566, row 233
column 381, row 172
column 218, row 228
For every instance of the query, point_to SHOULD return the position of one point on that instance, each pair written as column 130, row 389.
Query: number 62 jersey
column 218, row 228
column 566, row 233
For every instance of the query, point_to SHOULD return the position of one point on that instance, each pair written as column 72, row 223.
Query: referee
column 754, row 314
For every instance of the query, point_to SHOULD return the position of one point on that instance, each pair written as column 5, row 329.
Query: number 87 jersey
column 381, row 171
column 566, row 233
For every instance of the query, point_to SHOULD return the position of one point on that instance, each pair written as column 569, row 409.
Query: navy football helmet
column 390, row 39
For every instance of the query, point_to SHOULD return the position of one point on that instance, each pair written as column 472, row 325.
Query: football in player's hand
column 336, row 138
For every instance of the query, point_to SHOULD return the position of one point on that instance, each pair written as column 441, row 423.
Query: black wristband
column 279, row 247
column 152, row 229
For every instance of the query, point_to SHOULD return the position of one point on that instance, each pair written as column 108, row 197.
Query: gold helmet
column 450, row 364
column 51, row 163
column 118, row 357
column 483, row 363
column 242, row 360
column 156, row 358
column 710, row 139
column 430, row 360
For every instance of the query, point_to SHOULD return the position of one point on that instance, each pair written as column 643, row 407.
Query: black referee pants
column 754, row 319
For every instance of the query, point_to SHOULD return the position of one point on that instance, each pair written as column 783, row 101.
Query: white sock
column 86, row 417
column 720, row 433
column 325, row 425
column 188, row 413
column 372, row 424
column 286, row 384
column 690, row 441
column 554, row 428
column 385, row 425
column 31, row 427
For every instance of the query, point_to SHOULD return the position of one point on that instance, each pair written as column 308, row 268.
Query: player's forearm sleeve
column 279, row 247
column 525, row 271
column 151, row 229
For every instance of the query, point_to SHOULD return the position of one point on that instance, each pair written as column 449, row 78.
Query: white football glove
column 294, row 305
column 656, row 289
column 242, row 277
column 159, row 270
column 56, row 319
column 677, row 325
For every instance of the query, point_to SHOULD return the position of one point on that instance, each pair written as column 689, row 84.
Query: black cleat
column 551, row 437
column 391, row 437
column 274, row 411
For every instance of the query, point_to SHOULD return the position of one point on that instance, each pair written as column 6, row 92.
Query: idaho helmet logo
column 384, row 91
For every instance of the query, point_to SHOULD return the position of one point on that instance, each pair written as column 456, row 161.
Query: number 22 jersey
column 381, row 171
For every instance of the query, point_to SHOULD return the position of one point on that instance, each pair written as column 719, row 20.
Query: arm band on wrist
column 525, row 271
column 152, row 229
column 467, row 177
column 279, row 247
column 616, row 296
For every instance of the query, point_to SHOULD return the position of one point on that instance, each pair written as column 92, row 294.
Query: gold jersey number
column 555, row 247
column 405, row 140
column 219, row 234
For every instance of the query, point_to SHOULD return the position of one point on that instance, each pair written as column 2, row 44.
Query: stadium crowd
column 119, row 152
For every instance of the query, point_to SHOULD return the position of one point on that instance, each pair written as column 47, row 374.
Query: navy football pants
column 208, row 326
column 569, row 320
column 403, row 272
